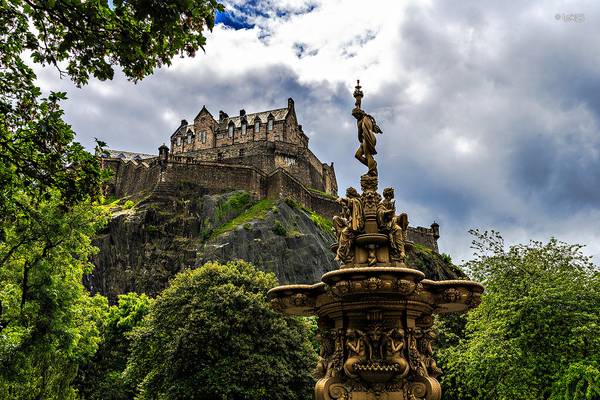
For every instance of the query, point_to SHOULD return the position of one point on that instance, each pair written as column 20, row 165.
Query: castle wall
column 281, row 184
column 134, row 178
column 329, row 179
column 131, row 177
column 423, row 236
column 268, row 156
column 215, row 177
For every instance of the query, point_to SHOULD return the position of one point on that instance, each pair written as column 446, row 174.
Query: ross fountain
column 375, row 313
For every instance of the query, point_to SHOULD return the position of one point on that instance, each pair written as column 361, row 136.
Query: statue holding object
column 367, row 128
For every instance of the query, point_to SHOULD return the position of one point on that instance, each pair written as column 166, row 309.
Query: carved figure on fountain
column 395, row 226
column 349, row 224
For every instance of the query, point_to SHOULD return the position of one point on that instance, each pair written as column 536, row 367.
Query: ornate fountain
column 375, row 312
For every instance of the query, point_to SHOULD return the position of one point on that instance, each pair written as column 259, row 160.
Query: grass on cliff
column 436, row 266
column 257, row 211
column 235, row 203
column 322, row 222
column 322, row 193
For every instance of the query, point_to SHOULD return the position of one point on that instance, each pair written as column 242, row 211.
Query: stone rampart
column 423, row 236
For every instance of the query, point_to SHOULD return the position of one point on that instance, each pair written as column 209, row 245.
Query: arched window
column 244, row 128
column 256, row 126
column 203, row 136
column 270, row 124
column 230, row 129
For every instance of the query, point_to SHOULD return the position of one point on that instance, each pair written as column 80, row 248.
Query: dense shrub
column 212, row 335
column 535, row 334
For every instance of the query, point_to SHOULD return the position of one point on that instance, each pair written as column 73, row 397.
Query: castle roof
column 279, row 114
column 126, row 155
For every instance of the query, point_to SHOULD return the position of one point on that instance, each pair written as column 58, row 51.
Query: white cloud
column 490, row 112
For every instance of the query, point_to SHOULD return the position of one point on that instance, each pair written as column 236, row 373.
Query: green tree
column 49, row 323
column 86, row 38
column 212, row 335
column 102, row 377
column 535, row 334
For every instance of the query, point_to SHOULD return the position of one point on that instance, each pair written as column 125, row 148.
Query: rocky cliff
column 149, row 239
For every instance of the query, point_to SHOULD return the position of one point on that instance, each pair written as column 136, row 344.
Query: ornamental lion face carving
column 451, row 295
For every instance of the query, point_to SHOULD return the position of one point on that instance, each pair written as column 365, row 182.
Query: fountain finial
column 358, row 94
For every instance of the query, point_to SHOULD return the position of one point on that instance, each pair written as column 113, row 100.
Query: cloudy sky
column 490, row 112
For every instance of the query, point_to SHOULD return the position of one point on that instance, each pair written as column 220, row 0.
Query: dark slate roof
column 278, row 114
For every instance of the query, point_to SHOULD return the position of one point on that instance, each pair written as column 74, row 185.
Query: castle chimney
column 222, row 115
column 290, row 103
column 300, row 128
column 183, row 122
column 242, row 112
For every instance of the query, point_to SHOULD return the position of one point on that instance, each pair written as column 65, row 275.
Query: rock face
column 148, row 241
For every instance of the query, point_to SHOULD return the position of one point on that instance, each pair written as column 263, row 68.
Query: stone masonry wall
column 132, row 177
column 217, row 178
column 423, row 236
column 280, row 184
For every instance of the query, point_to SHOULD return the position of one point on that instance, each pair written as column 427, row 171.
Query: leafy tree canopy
column 535, row 334
column 212, row 335
column 50, row 185
column 81, row 39
column 49, row 323
column 102, row 377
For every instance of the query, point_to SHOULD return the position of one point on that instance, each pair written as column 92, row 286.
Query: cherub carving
column 395, row 349
column 426, row 351
column 356, row 345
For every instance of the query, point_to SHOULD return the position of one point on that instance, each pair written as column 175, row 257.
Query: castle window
column 203, row 136
column 179, row 141
column 189, row 138
column 270, row 124
column 256, row 126
column 243, row 128
column 230, row 130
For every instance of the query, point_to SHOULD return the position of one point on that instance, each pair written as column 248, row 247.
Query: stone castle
column 265, row 153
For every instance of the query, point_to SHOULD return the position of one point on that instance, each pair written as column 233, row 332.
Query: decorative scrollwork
column 339, row 392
